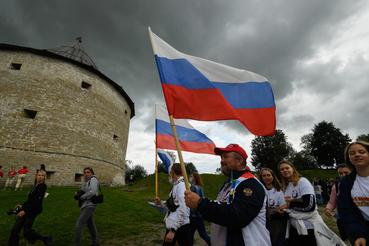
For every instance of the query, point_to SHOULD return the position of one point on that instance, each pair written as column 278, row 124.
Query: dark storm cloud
column 276, row 39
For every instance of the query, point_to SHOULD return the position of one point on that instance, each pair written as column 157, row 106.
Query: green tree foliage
column 328, row 144
column 268, row 151
column 363, row 137
column 303, row 160
column 190, row 168
column 138, row 171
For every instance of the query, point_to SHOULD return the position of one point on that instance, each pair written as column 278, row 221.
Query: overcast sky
column 314, row 53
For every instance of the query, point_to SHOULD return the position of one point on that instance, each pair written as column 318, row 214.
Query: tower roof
column 74, row 51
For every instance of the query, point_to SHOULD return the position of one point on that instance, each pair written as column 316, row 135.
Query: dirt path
column 151, row 238
column 156, row 238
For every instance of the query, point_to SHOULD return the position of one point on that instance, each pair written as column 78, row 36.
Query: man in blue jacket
column 244, row 214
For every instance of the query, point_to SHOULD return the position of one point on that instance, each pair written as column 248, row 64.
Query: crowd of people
column 249, row 210
column 261, row 210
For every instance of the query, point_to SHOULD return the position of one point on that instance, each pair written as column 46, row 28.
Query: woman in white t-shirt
column 300, row 197
column 275, row 200
column 353, row 199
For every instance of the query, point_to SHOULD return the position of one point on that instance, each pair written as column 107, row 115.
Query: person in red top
column 10, row 179
column 21, row 178
column 1, row 173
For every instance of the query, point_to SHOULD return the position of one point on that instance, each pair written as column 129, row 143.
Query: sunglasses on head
column 88, row 168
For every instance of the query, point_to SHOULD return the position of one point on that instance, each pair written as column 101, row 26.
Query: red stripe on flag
column 167, row 142
column 210, row 105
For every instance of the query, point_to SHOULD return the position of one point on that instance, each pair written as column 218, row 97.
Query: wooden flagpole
column 173, row 129
column 179, row 152
column 156, row 171
column 156, row 158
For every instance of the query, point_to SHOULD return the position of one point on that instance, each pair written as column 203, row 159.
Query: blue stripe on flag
column 182, row 73
column 184, row 134
column 166, row 159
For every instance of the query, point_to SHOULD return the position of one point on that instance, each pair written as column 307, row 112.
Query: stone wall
column 80, row 120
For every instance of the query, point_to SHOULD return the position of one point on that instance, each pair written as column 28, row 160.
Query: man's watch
column 200, row 200
column 173, row 230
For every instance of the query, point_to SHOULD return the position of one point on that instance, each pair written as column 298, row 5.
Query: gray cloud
column 280, row 40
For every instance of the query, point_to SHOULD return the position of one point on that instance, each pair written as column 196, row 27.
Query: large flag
column 189, row 138
column 166, row 159
column 199, row 89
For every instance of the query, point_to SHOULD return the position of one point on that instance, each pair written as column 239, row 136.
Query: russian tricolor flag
column 199, row 89
column 189, row 138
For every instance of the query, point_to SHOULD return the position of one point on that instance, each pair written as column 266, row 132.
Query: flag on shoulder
column 189, row 138
column 199, row 89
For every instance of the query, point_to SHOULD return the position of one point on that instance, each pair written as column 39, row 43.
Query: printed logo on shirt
column 273, row 208
column 294, row 193
column 271, row 202
column 293, row 200
column 361, row 201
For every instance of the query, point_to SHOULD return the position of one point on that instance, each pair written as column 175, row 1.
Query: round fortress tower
column 58, row 109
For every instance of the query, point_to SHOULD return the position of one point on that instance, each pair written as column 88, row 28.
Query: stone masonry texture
column 74, row 127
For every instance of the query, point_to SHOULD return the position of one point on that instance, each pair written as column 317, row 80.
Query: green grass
column 124, row 214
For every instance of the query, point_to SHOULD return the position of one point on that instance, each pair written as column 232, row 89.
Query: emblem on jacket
column 247, row 192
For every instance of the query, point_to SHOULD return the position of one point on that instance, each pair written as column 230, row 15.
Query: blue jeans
column 197, row 223
column 319, row 199
column 86, row 217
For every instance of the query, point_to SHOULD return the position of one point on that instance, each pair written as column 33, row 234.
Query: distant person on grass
column 89, row 189
column 21, row 177
column 30, row 209
column 10, row 179
column 177, row 222
column 353, row 199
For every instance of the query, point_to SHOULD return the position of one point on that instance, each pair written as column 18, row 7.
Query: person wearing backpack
column 88, row 190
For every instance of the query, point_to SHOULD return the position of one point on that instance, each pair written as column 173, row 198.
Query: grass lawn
column 125, row 217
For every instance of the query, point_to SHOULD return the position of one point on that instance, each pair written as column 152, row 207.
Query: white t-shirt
column 360, row 195
column 178, row 196
column 275, row 199
column 295, row 193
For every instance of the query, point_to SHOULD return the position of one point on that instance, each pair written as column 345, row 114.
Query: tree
column 138, row 171
column 363, row 137
column 303, row 160
column 268, row 151
column 218, row 170
column 328, row 144
column 190, row 168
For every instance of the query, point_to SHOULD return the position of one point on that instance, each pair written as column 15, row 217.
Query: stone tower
column 58, row 109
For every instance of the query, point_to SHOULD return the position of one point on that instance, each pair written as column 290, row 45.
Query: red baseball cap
column 24, row 166
column 230, row 148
